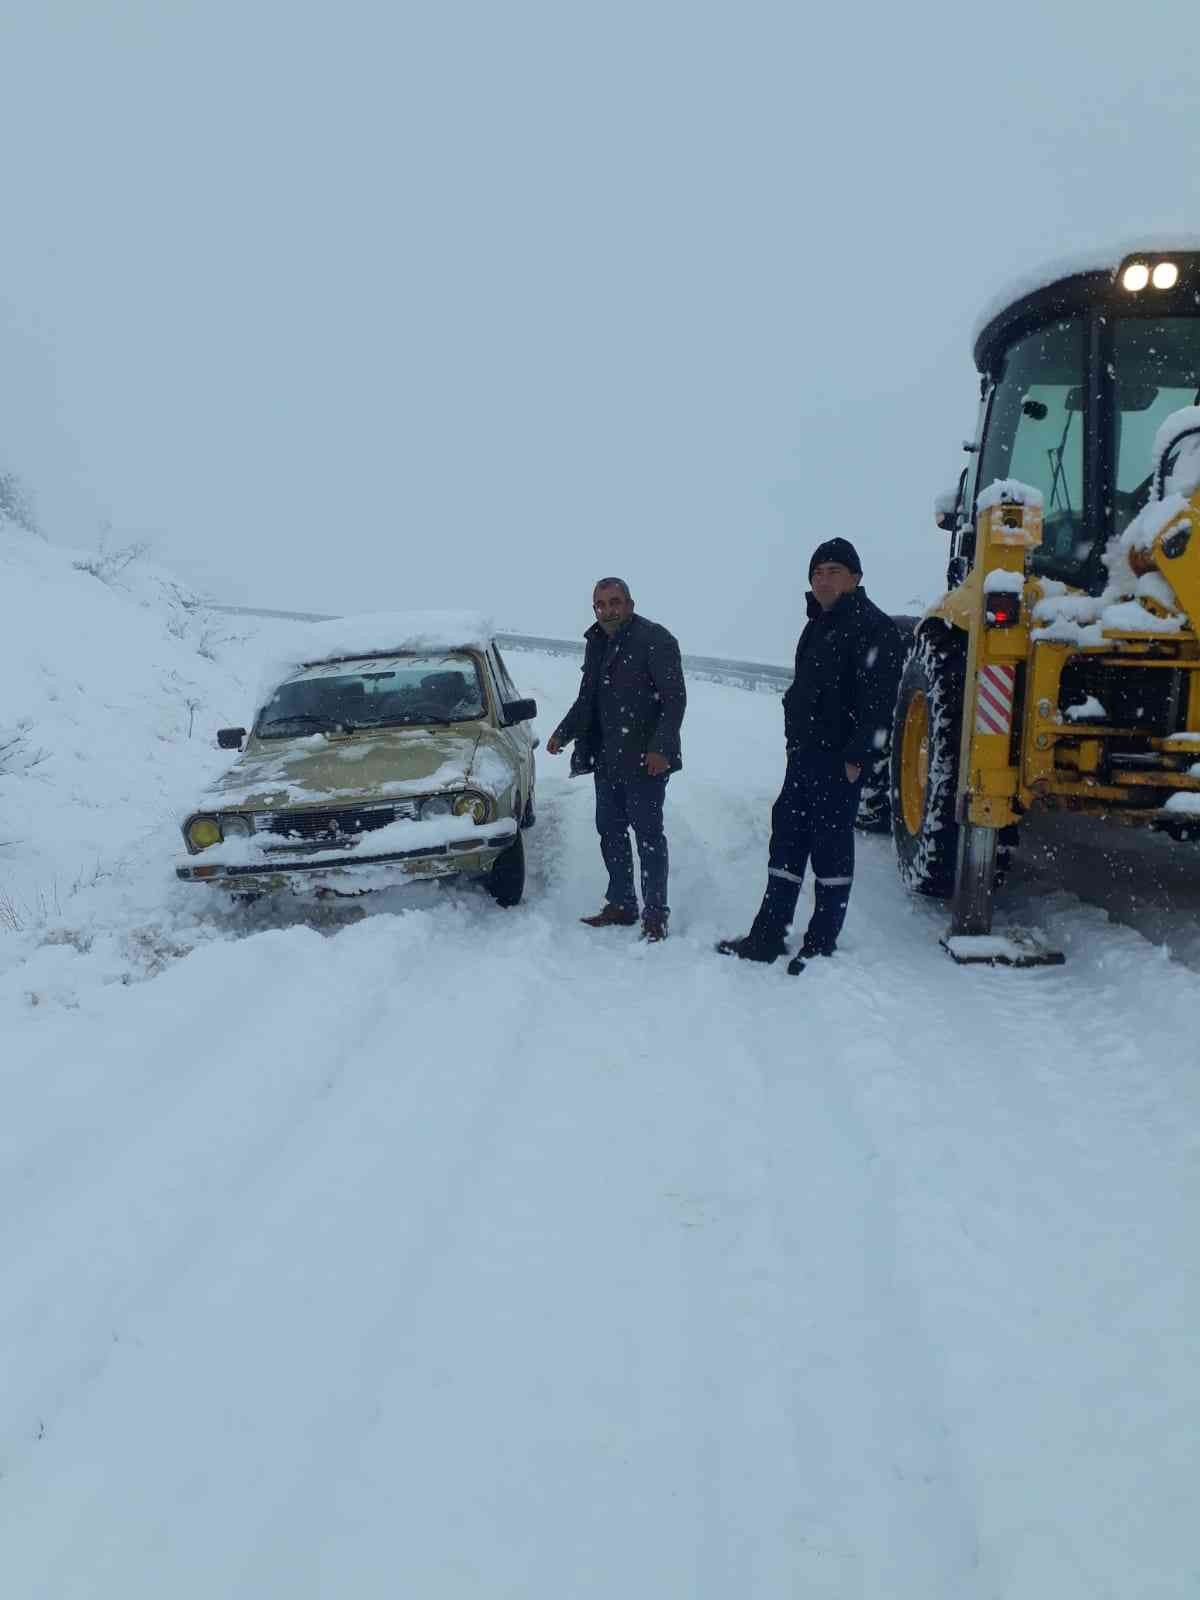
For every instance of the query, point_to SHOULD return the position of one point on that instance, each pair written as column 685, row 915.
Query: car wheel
column 506, row 881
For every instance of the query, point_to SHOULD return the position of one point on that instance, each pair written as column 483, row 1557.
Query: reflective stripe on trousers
column 812, row 820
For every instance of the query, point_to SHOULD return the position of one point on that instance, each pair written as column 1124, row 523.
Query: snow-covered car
column 388, row 748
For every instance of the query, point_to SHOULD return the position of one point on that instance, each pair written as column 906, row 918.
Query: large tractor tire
column 925, row 744
column 875, row 800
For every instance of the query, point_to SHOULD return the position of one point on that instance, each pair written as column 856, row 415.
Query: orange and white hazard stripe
column 994, row 699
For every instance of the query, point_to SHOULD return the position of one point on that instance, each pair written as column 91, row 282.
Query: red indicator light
column 1002, row 610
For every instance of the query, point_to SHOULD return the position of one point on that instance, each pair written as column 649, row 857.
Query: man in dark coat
column 625, row 724
column 837, row 722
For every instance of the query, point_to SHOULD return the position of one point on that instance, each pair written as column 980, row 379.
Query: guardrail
column 756, row 675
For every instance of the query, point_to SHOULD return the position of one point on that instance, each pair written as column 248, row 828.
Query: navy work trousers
column 813, row 819
column 637, row 803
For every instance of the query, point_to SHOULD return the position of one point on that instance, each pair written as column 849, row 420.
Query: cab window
column 1156, row 364
column 1035, row 434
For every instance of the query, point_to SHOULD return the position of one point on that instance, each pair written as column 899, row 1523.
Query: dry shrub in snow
column 18, row 753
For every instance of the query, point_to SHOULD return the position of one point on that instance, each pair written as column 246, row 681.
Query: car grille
column 332, row 827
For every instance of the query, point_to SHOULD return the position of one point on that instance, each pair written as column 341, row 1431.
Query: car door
column 519, row 735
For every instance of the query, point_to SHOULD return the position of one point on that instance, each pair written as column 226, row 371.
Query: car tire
column 506, row 880
column 924, row 780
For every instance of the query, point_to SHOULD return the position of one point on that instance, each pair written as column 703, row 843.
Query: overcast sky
column 366, row 307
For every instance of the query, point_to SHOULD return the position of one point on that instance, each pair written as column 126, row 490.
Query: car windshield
column 396, row 691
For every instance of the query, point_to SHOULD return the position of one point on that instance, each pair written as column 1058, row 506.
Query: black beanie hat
column 840, row 550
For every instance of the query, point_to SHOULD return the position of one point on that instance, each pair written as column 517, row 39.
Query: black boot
column 807, row 952
column 748, row 948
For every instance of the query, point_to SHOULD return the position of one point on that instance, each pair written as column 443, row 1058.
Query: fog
column 386, row 306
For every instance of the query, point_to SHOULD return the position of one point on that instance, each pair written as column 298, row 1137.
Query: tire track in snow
column 131, row 1241
column 462, row 1150
column 240, row 1326
column 646, row 1174
column 993, row 1150
column 866, row 1403
column 902, row 1444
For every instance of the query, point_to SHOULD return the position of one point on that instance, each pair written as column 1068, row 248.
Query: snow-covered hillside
column 431, row 1249
column 110, row 694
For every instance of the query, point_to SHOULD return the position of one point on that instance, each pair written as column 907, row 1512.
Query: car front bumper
column 303, row 870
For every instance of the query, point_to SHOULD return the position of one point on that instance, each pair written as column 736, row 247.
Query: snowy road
column 450, row 1252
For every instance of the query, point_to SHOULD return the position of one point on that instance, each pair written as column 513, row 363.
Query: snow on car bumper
column 469, row 854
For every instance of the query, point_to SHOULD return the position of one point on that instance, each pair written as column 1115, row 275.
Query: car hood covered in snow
column 367, row 765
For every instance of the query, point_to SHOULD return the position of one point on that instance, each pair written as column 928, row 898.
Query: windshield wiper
column 303, row 716
column 414, row 722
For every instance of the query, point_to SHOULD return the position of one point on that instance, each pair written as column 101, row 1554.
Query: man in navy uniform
column 837, row 722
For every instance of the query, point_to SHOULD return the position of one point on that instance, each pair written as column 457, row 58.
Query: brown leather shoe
column 654, row 926
column 611, row 917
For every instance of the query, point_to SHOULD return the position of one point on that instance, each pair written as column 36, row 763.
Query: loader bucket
column 1016, row 948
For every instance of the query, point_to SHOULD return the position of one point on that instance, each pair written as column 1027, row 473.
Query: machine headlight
column 1165, row 275
column 1136, row 276
column 471, row 805
column 234, row 825
column 438, row 805
column 203, row 832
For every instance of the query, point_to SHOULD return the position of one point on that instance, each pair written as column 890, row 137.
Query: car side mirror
column 519, row 710
column 230, row 738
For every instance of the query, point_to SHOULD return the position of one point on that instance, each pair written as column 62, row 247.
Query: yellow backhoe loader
column 1061, row 668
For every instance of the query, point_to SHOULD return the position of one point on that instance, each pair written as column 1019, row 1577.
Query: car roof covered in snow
column 1072, row 277
column 377, row 633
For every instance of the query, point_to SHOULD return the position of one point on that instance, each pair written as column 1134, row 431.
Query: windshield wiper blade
column 302, row 716
column 415, row 722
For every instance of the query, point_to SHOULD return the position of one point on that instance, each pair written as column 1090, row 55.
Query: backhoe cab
column 1061, row 668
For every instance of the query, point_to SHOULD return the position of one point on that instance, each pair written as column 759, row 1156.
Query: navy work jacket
column 848, row 665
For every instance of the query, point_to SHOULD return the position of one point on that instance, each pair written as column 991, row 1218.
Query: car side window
column 495, row 686
column 508, row 689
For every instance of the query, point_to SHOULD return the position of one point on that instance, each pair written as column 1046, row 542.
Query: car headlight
column 471, row 805
column 438, row 805
column 235, row 825
column 202, row 832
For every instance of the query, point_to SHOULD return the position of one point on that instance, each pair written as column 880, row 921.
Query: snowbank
column 113, row 690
